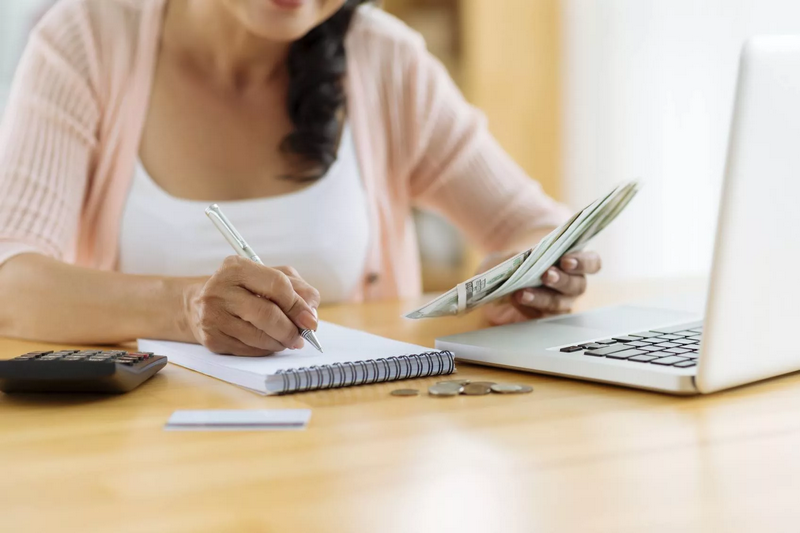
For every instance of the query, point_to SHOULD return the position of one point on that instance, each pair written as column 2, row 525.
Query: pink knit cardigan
column 71, row 131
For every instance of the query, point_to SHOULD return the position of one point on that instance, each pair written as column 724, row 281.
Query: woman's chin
column 278, row 24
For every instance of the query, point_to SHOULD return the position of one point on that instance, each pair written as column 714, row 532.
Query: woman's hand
column 562, row 285
column 250, row 309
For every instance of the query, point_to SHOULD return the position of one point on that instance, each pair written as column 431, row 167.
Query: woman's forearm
column 48, row 300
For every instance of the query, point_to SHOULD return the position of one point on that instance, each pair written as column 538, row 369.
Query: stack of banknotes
column 527, row 268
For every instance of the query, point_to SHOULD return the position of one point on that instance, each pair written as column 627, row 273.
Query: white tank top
column 322, row 230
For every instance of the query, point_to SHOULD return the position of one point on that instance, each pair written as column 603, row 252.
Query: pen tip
column 311, row 337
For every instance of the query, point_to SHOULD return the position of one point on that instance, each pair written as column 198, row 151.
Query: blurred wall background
column 583, row 94
column 16, row 19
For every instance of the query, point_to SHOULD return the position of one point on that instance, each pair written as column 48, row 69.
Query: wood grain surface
column 572, row 456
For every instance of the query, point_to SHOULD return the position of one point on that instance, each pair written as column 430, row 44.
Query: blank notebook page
column 340, row 345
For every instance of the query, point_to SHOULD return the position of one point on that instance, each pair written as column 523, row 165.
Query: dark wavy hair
column 317, row 65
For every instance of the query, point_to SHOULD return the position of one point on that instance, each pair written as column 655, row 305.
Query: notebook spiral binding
column 338, row 375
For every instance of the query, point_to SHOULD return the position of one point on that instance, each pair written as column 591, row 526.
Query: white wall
column 649, row 87
column 16, row 18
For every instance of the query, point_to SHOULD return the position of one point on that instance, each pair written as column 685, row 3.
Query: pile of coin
column 466, row 387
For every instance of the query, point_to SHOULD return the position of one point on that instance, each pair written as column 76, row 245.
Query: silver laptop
column 753, row 302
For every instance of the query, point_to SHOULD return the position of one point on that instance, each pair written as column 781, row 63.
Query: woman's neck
column 207, row 34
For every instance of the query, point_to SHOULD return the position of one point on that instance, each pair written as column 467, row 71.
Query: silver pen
column 238, row 243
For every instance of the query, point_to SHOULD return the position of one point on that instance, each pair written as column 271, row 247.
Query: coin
column 461, row 382
column 484, row 383
column 445, row 389
column 405, row 392
column 476, row 389
column 511, row 388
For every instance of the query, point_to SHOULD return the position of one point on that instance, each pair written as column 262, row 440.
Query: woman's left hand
column 562, row 284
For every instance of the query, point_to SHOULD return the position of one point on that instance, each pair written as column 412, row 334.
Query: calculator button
column 74, row 358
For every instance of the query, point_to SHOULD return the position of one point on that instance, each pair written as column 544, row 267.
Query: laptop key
column 668, row 345
column 676, row 351
column 669, row 361
column 625, row 339
column 570, row 349
column 607, row 341
column 638, row 344
column 645, row 334
column 593, row 346
column 651, row 348
column 684, row 341
column 685, row 364
column 602, row 352
column 625, row 354
column 643, row 358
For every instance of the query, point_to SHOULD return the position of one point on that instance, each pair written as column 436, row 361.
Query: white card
column 239, row 420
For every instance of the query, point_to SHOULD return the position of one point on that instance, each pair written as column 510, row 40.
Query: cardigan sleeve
column 47, row 138
column 458, row 168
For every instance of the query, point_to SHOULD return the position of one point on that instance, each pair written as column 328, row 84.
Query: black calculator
column 110, row 371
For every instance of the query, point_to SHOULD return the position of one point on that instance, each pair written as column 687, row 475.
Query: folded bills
column 526, row 269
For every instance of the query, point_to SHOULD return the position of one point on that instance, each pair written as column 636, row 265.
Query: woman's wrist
column 175, row 301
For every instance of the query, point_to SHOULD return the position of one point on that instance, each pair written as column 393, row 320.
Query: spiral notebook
column 351, row 358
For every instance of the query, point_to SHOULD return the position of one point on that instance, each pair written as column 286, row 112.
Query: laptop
column 753, row 300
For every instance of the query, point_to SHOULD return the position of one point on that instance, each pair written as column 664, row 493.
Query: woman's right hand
column 250, row 309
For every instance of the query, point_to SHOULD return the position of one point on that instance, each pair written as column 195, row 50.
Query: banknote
column 526, row 269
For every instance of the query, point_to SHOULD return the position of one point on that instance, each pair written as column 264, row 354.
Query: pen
column 238, row 243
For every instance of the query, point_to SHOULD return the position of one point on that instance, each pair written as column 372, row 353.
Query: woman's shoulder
column 102, row 17
column 98, row 27
column 374, row 29
column 97, row 39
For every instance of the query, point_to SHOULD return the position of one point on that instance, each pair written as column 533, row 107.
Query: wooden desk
column 571, row 457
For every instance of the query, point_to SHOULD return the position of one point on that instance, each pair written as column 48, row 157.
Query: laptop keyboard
column 677, row 346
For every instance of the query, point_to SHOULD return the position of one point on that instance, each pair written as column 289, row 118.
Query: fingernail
column 299, row 344
column 314, row 310
column 552, row 277
column 570, row 263
column 307, row 320
column 527, row 298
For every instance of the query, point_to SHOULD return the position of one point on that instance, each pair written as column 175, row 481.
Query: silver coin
column 405, row 392
column 445, row 389
column 511, row 388
column 484, row 383
column 476, row 389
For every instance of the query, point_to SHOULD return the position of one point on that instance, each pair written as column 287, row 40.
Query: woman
column 316, row 124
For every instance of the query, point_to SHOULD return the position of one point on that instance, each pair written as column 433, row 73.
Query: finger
column 265, row 316
column 250, row 335
column 273, row 285
column 224, row 344
column 302, row 287
column 581, row 263
column 558, row 280
column 545, row 300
